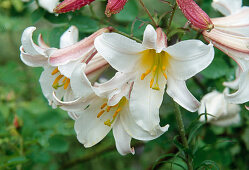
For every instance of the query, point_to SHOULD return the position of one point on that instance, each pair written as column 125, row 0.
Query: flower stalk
column 148, row 12
column 182, row 134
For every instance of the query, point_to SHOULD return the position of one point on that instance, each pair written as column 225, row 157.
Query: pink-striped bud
column 114, row 7
column 199, row 19
column 71, row 5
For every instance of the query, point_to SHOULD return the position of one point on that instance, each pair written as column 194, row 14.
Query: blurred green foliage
column 34, row 136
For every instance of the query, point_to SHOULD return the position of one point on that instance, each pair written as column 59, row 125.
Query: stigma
column 156, row 64
column 65, row 81
column 116, row 109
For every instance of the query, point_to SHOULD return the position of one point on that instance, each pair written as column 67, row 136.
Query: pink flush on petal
column 199, row 19
column 71, row 5
column 114, row 7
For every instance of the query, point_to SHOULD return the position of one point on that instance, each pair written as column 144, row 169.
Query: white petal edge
column 121, row 52
column 179, row 92
column 227, row 7
column 189, row 58
column 122, row 139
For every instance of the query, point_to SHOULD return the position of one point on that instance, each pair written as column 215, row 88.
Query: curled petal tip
column 198, row 18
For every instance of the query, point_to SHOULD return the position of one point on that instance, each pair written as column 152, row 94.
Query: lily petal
column 33, row 60
column 80, row 84
column 146, row 101
column 121, row 52
column 242, row 95
column 150, row 37
column 227, row 7
column 28, row 45
column 49, row 5
column 89, row 129
column 135, row 131
column 189, row 58
column 122, row 139
column 69, row 37
column 179, row 92
column 161, row 42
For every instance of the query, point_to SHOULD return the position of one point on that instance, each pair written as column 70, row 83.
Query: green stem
column 92, row 11
column 127, row 35
column 182, row 134
column 148, row 12
column 171, row 17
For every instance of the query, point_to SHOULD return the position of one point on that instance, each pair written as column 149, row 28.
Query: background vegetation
column 34, row 136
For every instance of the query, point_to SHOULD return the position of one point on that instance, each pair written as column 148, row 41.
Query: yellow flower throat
column 65, row 81
column 156, row 64
column 105, row 108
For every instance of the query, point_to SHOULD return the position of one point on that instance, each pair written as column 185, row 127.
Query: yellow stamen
column 65, row 78
column 156, row 87
column 55, row 71
column 108, row 108
column 100, row 113
column 116, row 113
column 154, row 68
column 57, row 80
column 165, row 75
column 103, row 106
column 145, row 74
column 66, row 84
column 108, row 123
column 151, row 82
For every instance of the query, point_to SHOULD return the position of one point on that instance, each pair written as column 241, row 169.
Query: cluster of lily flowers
column 129, row 102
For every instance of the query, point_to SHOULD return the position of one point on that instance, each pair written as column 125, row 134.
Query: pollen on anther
column 154, row 68
column 55, row 71
column 165, row 75
column 65, row 78
column 66, row 84
column 100, row 113
column 108, row 108
column 103, row 106
column 57, row 79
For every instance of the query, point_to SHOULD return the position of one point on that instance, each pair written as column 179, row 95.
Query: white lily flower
column 49, row 5
column 153, row 65
column 236, row 20
column 227, row 7
column 104, row 107
column 219, row 111
column 241, row 85
column 59, row 64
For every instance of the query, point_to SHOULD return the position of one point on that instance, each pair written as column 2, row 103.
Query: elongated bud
column 114, row 7
column 195, row 15
column 71, row 5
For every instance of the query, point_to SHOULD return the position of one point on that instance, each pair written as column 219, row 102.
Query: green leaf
column 37, row 15
column 54, row 36
column 209, row 164
column 57, row 19
column 129, row 13
column 216, row 69
column 84, row 24
column 58, row 144
column 245, row 138
column 16, row 160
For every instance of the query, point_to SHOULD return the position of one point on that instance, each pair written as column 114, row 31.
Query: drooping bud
column 199, row 19
column 114, row 7
column 71, row 5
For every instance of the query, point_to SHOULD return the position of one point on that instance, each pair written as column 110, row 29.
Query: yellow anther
column 55, row 71
column 151, row 82
column 165, row 75
column 163, row 68
column 116, row 113
column 103, row 106
column 66, row 84
column 156, row 87
column 108, row 108
column 100, row 113
column 65, row 78
column 154, row 68
column 145, row 74
column 57, row 80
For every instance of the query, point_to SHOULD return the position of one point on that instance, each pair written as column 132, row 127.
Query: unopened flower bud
column 199, row 19
column 71, row 5
column 114, row 7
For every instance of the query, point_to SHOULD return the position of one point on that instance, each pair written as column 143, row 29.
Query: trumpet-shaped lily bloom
column 219, row 111
column 49, row 5
column 105, row 107
column 154, row 65
column 59, row 64
column 241, row 85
